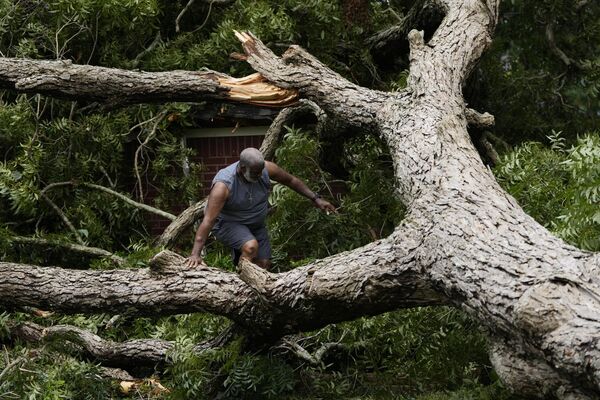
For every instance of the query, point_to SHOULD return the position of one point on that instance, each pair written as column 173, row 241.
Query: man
column 237, row 207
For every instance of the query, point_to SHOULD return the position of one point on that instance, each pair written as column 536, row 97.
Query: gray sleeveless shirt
column 247, row 202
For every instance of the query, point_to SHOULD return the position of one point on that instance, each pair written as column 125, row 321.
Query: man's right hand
column 193, row 261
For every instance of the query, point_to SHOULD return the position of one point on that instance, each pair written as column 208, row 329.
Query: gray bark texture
column 464, row 242
column 114, row 86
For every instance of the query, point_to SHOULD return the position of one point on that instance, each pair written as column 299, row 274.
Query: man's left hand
column 324, row 205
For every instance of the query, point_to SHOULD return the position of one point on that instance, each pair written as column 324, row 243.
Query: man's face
column 252, row 174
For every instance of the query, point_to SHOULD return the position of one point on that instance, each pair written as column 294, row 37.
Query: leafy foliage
column 527, row 85
column 367, row 206
column 559, row 186
column 39, row 374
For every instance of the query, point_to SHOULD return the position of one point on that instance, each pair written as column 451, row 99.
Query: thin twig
column 95, row 40
column 155, row 42
column 63, row 217
column 187, row 6
column 138, row 151
column 121, row 196
column 92, row 251
column 131, row 202
column 205, row 19
column 11, row 366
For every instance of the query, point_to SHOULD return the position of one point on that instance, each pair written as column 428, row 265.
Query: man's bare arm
column 216, row 200
column 278, row 174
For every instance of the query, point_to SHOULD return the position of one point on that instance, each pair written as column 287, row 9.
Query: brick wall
column 215, row 153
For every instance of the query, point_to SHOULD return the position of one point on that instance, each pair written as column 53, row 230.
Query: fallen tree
column 463, row 242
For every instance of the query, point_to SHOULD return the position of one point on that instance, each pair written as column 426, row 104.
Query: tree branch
column 130, row 201
column 464, row 240
column 568, row 61
column 315, row 359
column 182, row 13
column 474, row 118
column 330, row 290
column 182, row 222
column 422, row 12
column 287, row 117
column 114, row 193
column 62, row 216
column 76, row 248
column 488, row 149
column 299, row 70
column 107, row 352
column 120, row 87
column 157, row 40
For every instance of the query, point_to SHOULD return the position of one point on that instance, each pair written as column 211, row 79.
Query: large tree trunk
column 464, row 241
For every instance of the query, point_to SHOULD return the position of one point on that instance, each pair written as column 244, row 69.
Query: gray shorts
column 234, row 235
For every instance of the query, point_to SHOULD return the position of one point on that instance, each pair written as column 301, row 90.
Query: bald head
column 251, row 164
column 252, row 158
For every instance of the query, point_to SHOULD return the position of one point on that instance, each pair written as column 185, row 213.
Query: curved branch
column 422, row 12
column 286, row 117
column 314, row 359
column 130, row 201
column 130, row 353
column 182, row 13
column 118, row 195
column 62, row 216
column 107, row 352
column 157, row 40
column 76, row 248
column 455, row 47
column 180, row 223
column 300, row 70
column 568, row 61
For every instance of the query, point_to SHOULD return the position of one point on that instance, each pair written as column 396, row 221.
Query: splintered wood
column 255, row 89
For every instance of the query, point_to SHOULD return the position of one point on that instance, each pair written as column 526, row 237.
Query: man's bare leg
column 263, row 263
column 250, row 249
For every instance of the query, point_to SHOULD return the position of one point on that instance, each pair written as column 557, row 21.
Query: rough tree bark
column 113, row 86
column 464, row 241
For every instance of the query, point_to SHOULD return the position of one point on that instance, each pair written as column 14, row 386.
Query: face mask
column 248, row 177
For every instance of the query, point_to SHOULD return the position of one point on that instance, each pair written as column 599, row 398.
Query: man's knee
column 264, row 263
column 250, row 248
